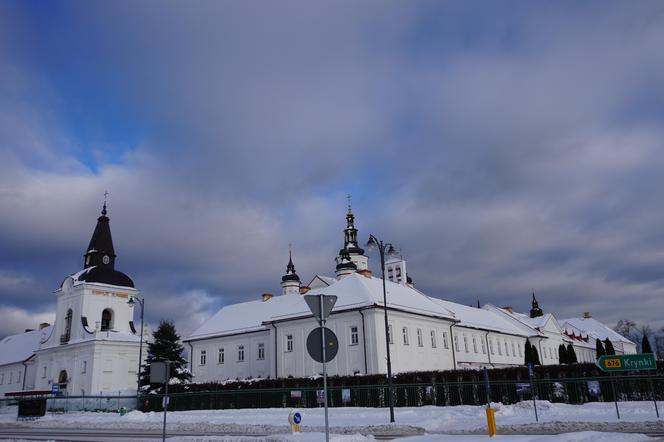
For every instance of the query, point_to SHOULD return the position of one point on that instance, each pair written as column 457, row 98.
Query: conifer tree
column 165, row 346
column 562, row 354
column 608, row 346
column 536, row 358
column 571, row 355
column 599, row 349
column 528, row 356
column 645, row 345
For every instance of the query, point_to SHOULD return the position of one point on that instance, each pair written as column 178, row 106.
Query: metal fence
column 564, row 390
column 64, row 404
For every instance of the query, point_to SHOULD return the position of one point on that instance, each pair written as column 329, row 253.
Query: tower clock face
column 106, row 259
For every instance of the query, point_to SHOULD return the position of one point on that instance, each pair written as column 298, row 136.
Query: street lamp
column 133, row 300
column 373, row 244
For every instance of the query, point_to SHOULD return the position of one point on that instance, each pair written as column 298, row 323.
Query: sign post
column 159, row 374
column 532, row 388
column 637, row 362
column 321, row 307
column 490, row 416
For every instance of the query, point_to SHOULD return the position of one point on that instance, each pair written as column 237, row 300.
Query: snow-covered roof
column 593, row 327
column 353, row 291
column 479, row 318
column 18, row 348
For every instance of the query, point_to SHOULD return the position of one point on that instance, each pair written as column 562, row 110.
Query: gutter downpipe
column 488, row 350
column 25, row 372
column 276, row 364
column 191, row 358
column 364, row 343
column 452, row 345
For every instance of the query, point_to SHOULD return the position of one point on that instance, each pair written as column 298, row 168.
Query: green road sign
column 627, row 362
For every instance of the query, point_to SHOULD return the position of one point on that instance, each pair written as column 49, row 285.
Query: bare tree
column 627, row 328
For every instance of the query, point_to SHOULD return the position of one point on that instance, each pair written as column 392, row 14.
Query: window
column 445, row 340
column 513, row 349
column 404, row 330
column 491, row 346
column 474, row 344
column 420, row 339
column 500, row 351
column 44, row 372
column 465, row 343
column 289, row 343
column 507, row 351
column 203, row 357
column 106, row 319
column 354, row 337
column 433, row 338
column 483, row 346
column 18, row 381
column 221, row 357
column 240, row 353
column 84, row 367
column 456, row 342
column 261, row 351
column 390, row 336
column 520, row 351
column 68, row 319
column 11, row 377
column 2, row 378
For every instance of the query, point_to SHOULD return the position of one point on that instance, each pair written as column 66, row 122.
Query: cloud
column 513, row 150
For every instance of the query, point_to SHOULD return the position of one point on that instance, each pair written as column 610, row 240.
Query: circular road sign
column 315, row 348
column 295, row 417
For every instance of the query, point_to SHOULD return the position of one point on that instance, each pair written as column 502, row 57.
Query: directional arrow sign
column 627, row 362
column 314, row 301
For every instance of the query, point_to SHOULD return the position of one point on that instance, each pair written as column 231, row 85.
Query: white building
column 93, row 346
column 266, row 337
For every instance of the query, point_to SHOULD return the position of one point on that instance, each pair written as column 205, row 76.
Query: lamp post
column 131, row 303
column 373, row 244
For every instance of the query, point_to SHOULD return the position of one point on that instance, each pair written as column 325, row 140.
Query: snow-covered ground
column 353, row 423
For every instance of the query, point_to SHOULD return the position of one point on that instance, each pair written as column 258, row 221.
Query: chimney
column 586, row 315
column 43, row 325
column 28, row 330
column 304, row 289
column 509, row 309
column 365, row 272
column 266, row 296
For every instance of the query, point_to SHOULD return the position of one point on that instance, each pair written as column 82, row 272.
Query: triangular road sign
column 314, row 301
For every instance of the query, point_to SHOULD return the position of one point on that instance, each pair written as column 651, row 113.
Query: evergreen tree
column 166, row 347
column 536, row 358
column 599, row 349
column 645, row 345
column 562, row 354
column 571, row 355
column 528, row 359
column 608, row 346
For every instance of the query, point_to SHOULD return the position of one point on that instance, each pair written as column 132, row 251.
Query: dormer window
column 106, row 319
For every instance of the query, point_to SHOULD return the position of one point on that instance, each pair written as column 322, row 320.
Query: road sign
column 55, row 388
column 313, row 301
column 158, row 372
column 315, row 348
column 627, row 362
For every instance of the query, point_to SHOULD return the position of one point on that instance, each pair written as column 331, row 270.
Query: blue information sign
column 55, row 388
column 297, row 418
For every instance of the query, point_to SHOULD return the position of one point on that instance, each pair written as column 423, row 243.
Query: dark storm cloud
column 506, row 150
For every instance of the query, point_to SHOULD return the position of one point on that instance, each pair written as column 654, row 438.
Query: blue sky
column 505, row 147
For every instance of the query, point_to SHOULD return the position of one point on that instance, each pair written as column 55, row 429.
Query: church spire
column 290, row 282
column 100, row 251
column 535, row 311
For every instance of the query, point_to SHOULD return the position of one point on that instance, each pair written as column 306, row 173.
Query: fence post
column 532, row 389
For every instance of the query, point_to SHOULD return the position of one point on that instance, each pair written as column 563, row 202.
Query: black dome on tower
column 344, row 262
column 535, row 311
column 290, row 271
column 99, row 263
column 350, row 235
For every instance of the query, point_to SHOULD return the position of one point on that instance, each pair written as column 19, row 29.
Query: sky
column 503, row 147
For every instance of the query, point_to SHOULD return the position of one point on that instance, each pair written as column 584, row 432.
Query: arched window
column 68, row 318
column 62, row 378
column 106, row 319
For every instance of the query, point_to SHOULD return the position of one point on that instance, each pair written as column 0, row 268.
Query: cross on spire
column 348, row 197
column 103, row 210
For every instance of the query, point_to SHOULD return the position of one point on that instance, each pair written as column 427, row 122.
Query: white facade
column 95, row 359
